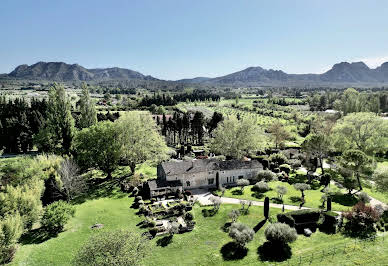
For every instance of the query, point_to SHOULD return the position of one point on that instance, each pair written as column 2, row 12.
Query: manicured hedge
column 300, row 219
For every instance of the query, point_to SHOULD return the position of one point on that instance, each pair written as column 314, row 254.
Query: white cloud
column 374, row 62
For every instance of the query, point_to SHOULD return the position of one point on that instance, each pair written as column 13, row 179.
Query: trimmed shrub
column 300, row 219
column 363, row 197
column 241, row 233
column 266, row 207
column 266, row 175
column 287, row 219
column 280, row 233
column 278, row 159
column 56, row 215
column 189, row 216
column 120, row 247
column 328, row 222
column 261, row 186
column 285, row 168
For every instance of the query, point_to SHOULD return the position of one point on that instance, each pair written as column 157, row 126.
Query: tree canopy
column 140, row 140
column 363, row 131
column 237, row 138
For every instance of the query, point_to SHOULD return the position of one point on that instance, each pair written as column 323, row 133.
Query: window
column 188, row 183
column 210, row 181
column 240, row 176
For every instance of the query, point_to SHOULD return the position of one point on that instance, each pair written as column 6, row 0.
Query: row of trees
column 188, row 128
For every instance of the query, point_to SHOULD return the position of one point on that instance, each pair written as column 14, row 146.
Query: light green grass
column 312, row 197
column 200, row 247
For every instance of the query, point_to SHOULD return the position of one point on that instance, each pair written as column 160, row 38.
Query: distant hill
column 349, row 73
column 59, row 71
column 343, row 74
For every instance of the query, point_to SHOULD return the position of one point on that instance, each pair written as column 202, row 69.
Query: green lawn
column 199, row 247
column 342, row 202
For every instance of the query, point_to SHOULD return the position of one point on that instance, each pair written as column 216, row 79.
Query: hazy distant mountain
column 342, row 73
column 59, row 71
column 349, row 73
column 194, row 80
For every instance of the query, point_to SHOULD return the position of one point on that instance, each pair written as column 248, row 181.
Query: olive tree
column 242, row 183
column 233, row 215
column 241, row 233
column 302, row 187
column 280, row 234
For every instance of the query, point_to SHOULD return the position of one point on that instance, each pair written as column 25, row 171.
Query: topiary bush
column 285, row 168
column 280, row 233
column 189, row 216
column 261, row 186
column 266, row 176
column 328, row 222
column 241, row 233
column 56, row 215
column 278, row 159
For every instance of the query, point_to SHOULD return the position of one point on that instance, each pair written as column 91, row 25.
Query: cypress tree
column 266, row 207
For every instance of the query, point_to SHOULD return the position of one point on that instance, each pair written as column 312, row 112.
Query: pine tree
column 58, row 133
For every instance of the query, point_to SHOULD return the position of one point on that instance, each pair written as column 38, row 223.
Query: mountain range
column 341, row 73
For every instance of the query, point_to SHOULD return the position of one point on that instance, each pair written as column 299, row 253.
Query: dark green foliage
column 266, row 175
column 328, row 222
column 325, row 179
column 56, row 215
column 285, row 168
column 266, row 207
column 278, row 159
column 19, row 122
column 285, row 218
column 300, row 219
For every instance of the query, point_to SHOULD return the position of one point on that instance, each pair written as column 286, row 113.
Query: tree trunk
column 321, row 163
column 133, row 167
column 359, row 181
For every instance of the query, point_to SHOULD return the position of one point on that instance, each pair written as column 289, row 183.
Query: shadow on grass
column 295, row 199
column 36, row 236
column 103, row 188
column 258, row 195
column 209, row 213
column 226, row 226
column 237, row 192
column 233, row 251
column 259, row 225
column 164, row 241
column 298, row 178
column 277, row 200
column 274, row 252
column 344, row 199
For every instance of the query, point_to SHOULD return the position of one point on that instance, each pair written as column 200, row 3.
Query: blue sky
column 173, row 39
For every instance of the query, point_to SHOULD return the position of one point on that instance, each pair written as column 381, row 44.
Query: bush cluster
column 56, row 215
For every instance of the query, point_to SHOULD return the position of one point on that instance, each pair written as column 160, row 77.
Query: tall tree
column 363, row 131
column 57, row 135
column 88, row 116
column 279, row 133
column 237, row 138
column 317, row 146
column 98, row 146
column 140, row 139
column 355, row 161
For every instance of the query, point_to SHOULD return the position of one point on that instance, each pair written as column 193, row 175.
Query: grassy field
column 200, row 247
column 312, row 197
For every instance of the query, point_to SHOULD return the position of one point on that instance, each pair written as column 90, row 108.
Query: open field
column 199, row 247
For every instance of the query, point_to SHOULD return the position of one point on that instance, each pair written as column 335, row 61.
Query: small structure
column 201, row 173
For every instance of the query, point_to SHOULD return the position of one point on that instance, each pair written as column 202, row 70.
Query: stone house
column 201, row 173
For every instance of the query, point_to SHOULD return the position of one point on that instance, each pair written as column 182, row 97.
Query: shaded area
column 237, row 192
column 344, row 199
column 277, row 200
column 226, row 226
column 295, row 199
column 259, row 225
column 274, row 252
column 233, row 251
column 258, row 195
column 209, row 213
column 36, row 236
column 164, row 241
